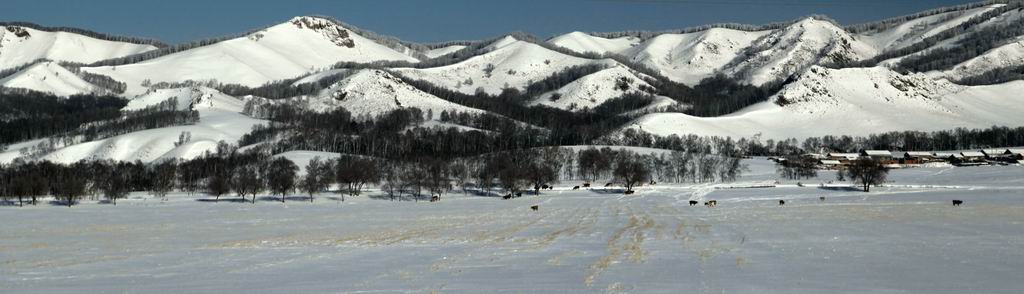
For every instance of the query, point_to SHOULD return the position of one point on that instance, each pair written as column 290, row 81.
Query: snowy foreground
column 905, row 238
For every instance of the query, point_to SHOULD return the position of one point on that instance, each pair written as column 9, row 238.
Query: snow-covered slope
column 375, row 92
column 220, row 119
column 915, row 30
column 685, row 58
column 690, row 58
column 1009, row 17
column 48, row 77
column 595, row 89
column 1009, row 55
column 509, row 64
column 287, row 50
column 858, row 101
column 789, row 51
column 21, row 45
column 435, row 53
column 584, row 43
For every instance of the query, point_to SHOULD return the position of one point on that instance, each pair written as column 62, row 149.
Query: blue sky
column 176, row 21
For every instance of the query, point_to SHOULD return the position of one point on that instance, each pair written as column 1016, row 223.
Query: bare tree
column 116, row 185
column 630, row 170
column 459, row 171
column 867, row 172
column 281, row 176
column 796, row 168
column 317, row 177
column 355, row 173
column 391, row 177
column 164, row 176
column 246, row 181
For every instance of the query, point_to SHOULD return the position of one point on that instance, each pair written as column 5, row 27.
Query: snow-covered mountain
column 584, row 43
column 508, row 63
column 856, row 101
column 20, row 45
column 909, row 32
column 1009, row 55
column 220, row 119
column 686, row 58
column 435, row 53
column 48, row 77
column 595, row 89
column 826, row 94
column 788, row 51
column 372, row 93
column 287, row 50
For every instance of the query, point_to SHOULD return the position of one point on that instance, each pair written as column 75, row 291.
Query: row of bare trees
column 250, row 174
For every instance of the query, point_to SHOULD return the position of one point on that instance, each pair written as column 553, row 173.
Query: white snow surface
column 58, row 46
column 372, row 93
column 856, row 102
column 315, row 77
column 1009, row 55
column 690, row 58
column 913, row 31
column 219, row 119
column 584, row 43
column 788, row 51
column 902, row 238
column 48, row 77
column 685, row 58
column 291, row 49
column 513, row 64
column 594, row 89
column 435, row 53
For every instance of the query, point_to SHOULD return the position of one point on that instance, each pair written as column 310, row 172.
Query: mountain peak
column 329, row 28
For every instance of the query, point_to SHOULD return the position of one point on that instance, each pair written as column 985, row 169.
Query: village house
column 829, row 164
column 993, row 154
column 1017, row 155
column 917, row 157
column 843, row 158
column 880, row 155
column 813, row 156
column 970, row 158
column 1013, row 156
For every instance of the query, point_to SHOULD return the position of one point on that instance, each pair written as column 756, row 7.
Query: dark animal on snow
column 630, row 192
column 507, row 197
column 822, row 198
column 535, row 207
column 576, row 188
column 711, row 203
column 653, row 182
column 519, row 194
column 586, row 185
column 782, row 202
column 551, row 187
column 435, row 198
column 693, row 202
column 957, row 202
column 545, row 187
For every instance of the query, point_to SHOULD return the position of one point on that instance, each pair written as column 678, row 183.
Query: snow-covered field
column 905, row 238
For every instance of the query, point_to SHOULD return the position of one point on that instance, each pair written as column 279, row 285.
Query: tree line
column 249, row 174
column 955, row 139
column 994, row 76
column 28, row 115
